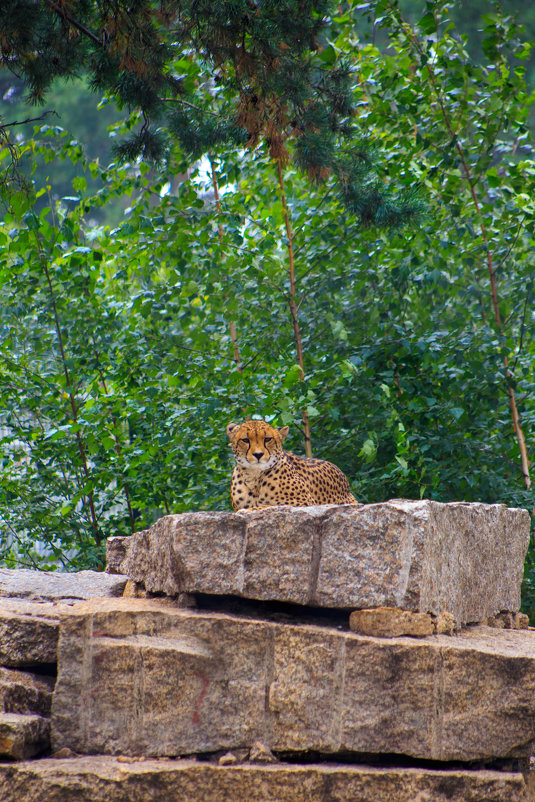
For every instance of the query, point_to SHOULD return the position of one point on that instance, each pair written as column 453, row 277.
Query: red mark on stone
column 99, row 657
column 205, row 683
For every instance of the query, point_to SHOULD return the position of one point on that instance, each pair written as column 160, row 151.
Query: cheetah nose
column 258, row 454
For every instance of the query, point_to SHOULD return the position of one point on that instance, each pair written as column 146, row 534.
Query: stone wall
column 288, row 675
column 424, row 556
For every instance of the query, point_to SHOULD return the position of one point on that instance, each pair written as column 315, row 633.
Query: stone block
column 31, row 605
column 390, row 622
column 29, row 632
column 142, row 677
column 22, row 583
column 423, row 556
column 107, row 779
column 24, row 692
column 23, row 736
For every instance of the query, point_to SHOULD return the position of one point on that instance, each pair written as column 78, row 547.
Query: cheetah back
column 293, row 480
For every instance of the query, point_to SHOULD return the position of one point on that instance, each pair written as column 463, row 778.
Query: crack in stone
column 437, row 722
column 315, row 565
column 86, row 676
column 267, row 727
column 182, row 578
column 339, row 713
column 241, row 569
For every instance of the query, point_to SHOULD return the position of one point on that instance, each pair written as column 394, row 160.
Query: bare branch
column 28, row 119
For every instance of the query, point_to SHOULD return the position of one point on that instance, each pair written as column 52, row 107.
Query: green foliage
column 247, row 72
column 118, row 370
column 73, row 107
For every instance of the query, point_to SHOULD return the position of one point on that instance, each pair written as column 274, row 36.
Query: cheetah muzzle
column 266, row 475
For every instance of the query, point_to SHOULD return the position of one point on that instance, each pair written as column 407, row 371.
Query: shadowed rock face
column 23, row 736
column 105, row 779
column 24, row 692
column 423, row 556
column 140, row 677
column 28, row 632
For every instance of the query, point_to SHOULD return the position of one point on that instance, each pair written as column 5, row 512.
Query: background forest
column 323, row 216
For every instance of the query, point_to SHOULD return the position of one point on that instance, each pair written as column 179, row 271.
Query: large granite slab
column 143, row 677
column 107, row 779
column 466, row 559
column 23, row 583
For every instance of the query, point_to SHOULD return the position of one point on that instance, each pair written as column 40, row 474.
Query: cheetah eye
column 244, row 440
column 267, row 440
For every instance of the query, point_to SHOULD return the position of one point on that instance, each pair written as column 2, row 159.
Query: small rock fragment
column 503, row 620
column 228, row 759
column 116, row 548
column 261, row 754
column 130, row 759
column 134, row 590
column 445, row 624
column 186, row 600
column 64, row 753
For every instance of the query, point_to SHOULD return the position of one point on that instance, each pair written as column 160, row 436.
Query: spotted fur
column 266, row 475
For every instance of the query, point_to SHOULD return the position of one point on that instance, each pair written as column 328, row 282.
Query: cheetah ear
column 230, row 429
column 283, row 432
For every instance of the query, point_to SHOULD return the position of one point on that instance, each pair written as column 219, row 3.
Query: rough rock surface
column 24, row 692
column 424, row 556
column 141, row 677
column 105, row 779
column 115, row 553
column 22, row 583
column 22, row 736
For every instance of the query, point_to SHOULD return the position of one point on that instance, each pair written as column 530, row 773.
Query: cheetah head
column 256, row 444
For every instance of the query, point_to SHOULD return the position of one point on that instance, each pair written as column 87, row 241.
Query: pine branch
column 78, row 25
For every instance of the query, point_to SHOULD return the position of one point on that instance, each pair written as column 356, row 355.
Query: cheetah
column 266, row 475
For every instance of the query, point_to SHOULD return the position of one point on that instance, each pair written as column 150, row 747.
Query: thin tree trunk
column 232, row 325
column 119, row 452
column 293, row 304
column 517, row 426
column 72, row 399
